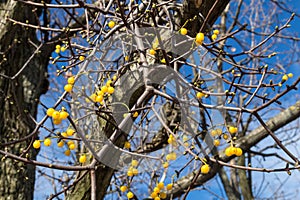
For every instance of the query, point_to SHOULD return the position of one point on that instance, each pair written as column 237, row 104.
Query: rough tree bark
column 19, row 95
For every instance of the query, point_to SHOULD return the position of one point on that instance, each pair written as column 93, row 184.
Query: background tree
column 160, row 79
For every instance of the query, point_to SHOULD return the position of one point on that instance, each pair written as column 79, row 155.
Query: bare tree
column 152, row 99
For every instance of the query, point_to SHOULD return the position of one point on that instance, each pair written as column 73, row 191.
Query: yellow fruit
column 111, row 24
column 64, row 134
column 239, row 152
column 57, row 51
column 70, row 132
column 163, row 61
column 82, row 158
column 127, row 145
column 232, row 130
column 135, row 114
column 57, row 46
column 166, row 165
column 156, row 190
column 160, row 185
column 71, row 80
column 63, row 115
column 36, row 144
column 72, row 146
column 233, row 151
column 50, row 111
column 63, row 49
column 135, row 171
column 99, row 98
column 163, row 195
column 110, row 90
column 68, row 87
column 200, row 95
column 81, row 58
column 114, row 78
column 214, row 133
column 56, row 115
column 169, row 186
column 290, row 75
column 134, row 163
column 152, row 52
column 228, row 151
column 284, row 78
column 214, row 36
column 216, row 142
column 199, row 38
column 47, row 142
column 60, row 144
column 129, row 173
column 108, row 83
column 153, row 195
column 216, row 32
column 205, row 169
column 104, row 89
column 68, row 152
column 183, row 31
column 157, row 198
column 123, row 188
column 225, row 136
column 219, row 131
column 56, row 121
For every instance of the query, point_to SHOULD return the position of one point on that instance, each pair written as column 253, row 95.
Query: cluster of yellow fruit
column 216, row 133
column 230, row 151
column 133, row 171
column 37, row 143
column 59, row 48
column 215, row 34
column 57, row 116
column 158, row 191
column 107, row 89
column 69, row 86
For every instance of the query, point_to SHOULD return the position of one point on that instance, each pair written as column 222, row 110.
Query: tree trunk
column 19, row 95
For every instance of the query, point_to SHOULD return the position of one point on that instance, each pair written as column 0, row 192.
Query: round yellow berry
column 134, row 163
column 169, row 186
column 163, row 195
column 216, row 142
column 108, row 83
column 157, row 198
column 82, row 158
column 36, row 144
column 64, row 48
column 50, row 111
column 71, row 80
column 233, row 130
column 284, row 78
column 64, row 134
column 216, row 32
column 60, row 143
column 57, row 46
column 153, row 195
column 205, row 169
column 81, row 58
column 47, row 142
column 104, row 89
column 110, row 90
column 111, row 24
column 183, row 31
column 200, row 95
column 99, row 98
column 225, row 136
column 68, row 87
column 123, row 188
column 228, row 151
column 239, row 152
column 214, row 133
column 199, row 38
column 72, row 146
column 63, row 115
column 127, row 145
column 135, row 114
column 233, row 150
column 165, row 165
column 163, row 61
column 129, row 173
column 56, row 115
column 135, row 171
column 67, row 152
column 290, row 75
column 161, row 185
column 114, row 78
column 156, row 190
column 70, row 132
column 57, row 51
column 56, row 121
column 214, row 36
